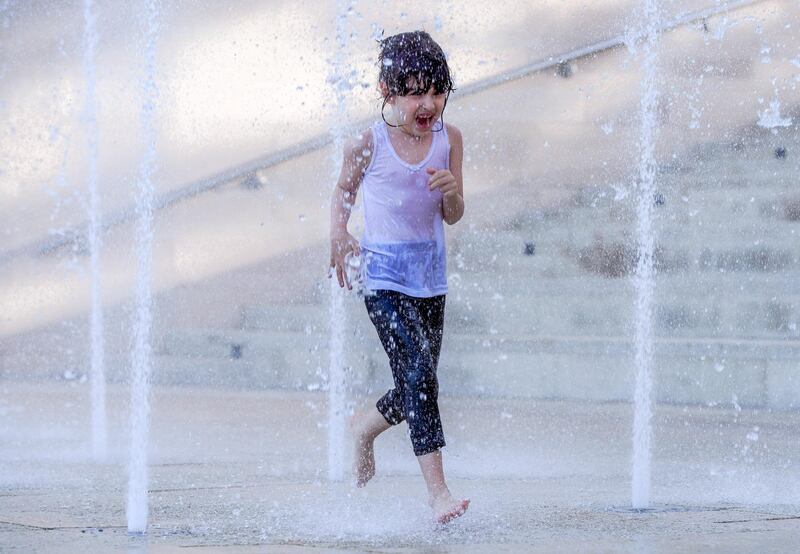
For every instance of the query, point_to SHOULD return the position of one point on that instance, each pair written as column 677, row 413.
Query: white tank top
column 403, row 244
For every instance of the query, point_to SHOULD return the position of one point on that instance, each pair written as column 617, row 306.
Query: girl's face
column 417, row 112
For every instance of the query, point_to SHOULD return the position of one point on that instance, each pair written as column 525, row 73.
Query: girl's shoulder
column 358, row 149
column 361, row 140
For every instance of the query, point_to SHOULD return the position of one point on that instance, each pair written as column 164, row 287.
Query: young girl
column 409, row 167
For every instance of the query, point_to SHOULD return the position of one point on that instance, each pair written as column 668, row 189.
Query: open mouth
column 424, row 120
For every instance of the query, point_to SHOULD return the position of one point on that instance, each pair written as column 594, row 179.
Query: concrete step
column 703, row 371
column 704, row 380
column 558, row 252
column 683, row 315
column 767, row 308
column 716, row 214
column 700, row 371
column 698, row 283
column 274, row 349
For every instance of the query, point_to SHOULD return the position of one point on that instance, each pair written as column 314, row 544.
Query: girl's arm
column 451, row 182
column 357, row 154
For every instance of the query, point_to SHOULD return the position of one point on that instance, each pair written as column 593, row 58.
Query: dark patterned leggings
column 410, row 330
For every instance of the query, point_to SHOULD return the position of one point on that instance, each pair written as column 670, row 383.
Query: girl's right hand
column 341, row 246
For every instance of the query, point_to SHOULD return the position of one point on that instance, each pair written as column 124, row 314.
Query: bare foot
column 364, row 467
column 446, row 509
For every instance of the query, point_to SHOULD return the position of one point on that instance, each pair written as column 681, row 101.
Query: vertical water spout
column 94, row 231
column 337, row 387
column 141, row 357
column 645, row 272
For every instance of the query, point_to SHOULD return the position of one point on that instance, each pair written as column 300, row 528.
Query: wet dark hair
column 413, row 55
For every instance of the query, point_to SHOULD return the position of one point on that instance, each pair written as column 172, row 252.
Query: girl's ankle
column 443, row 494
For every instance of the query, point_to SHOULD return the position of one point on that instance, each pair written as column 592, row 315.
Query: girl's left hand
column 444, row 181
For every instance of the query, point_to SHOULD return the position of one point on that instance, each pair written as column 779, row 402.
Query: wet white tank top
column 403, row 244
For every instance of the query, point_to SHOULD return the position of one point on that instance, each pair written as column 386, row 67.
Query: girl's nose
column 428, row 103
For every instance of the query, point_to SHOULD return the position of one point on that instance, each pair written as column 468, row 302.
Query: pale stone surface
column 245, row 472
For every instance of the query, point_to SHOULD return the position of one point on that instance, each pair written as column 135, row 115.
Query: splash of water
column 97, row 372
column 337, row 391
column 645, row 272
column 337, row 387
column 141, row 358
column 771, row 118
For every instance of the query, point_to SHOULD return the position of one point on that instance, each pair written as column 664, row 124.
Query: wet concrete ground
column 239, row 472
